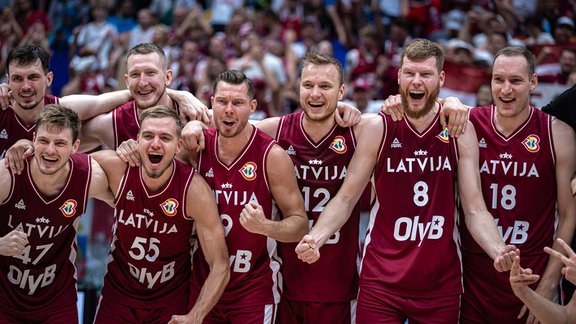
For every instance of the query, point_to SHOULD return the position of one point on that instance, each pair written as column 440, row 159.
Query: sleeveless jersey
column 13, row 129
column 320, row 170
column 125, row 122
column 411, row 249
column 150, row 262
column 518, row 177
column 43, row 277
column 254, row 264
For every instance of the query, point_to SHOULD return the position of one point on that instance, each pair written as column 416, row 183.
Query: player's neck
column 230, row 147
column 49, row 185
column 156, row 184
column 28, row 116
column 165, row 100
column 509, row 124
column 421, row 123
column 318, row 129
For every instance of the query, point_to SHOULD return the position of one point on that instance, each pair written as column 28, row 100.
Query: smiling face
column 320, row 91
column 147, row 79
column 52, row 148
column 232, row 107
column 28, row 84
column 420, row 83
column 511, row 85
column 158, row 144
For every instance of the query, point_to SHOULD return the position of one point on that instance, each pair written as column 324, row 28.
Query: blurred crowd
column 266, row 39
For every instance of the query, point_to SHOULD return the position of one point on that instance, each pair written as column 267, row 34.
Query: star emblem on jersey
column 338, row 145
column 69, row 208
column 21, row 205
column 170, row 207
column 42, row 220
column 420, row 153
column 506, row 156
column 532, row 143
column 315, row 162
column 226, row 186
column 248, row 171
column 443, row 136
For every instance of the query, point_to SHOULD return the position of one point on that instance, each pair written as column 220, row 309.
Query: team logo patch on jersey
column 443, row 136
column 69, row 208
column 4, row 134
column 338, row 145
column 248, row 171
column 532, row 143
column 170, row 207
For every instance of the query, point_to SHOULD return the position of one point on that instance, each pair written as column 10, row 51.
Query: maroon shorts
column 294, row 311
column 56, row 315
column 376, row 306
column 264, row 314
column 110, row 312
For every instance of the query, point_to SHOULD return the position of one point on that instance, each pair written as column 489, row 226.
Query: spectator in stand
column 484, row 95
column 143, row 31
column 124, row 19
column 195, row 27
column 222, row 11
column 558, row 73
column 10, row 34
column 163, row 9
column 26, row 15
column 91, row 50
column 362, row 61
column 185, row 68
column 460, row 52
column 361, row 97
column 564, row 31
column 36, row 35
column 206, row 76
column 265, row 69
column 536, row 34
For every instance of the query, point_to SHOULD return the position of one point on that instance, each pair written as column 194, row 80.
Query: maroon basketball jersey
column 519, row 186
column 320, row 170
column 13, row 129
column 254, row 264
column 125, row 123
column 411, row 247
column 149, row 264
column 43, row 277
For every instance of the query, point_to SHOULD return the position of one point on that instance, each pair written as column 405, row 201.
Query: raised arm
column 369, row 134
column 88, row 106
column 285, row 191
column 97, row 131
column 544, row 310
column 200, row 205
column 479, row 221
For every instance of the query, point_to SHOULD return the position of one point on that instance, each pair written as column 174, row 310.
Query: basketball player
column 410, row 267
column 158, row 205
column 526, row 161
column 147, row 79
column 320, row 150
column 252, row 179
column 40, row 213
column 28, row 81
